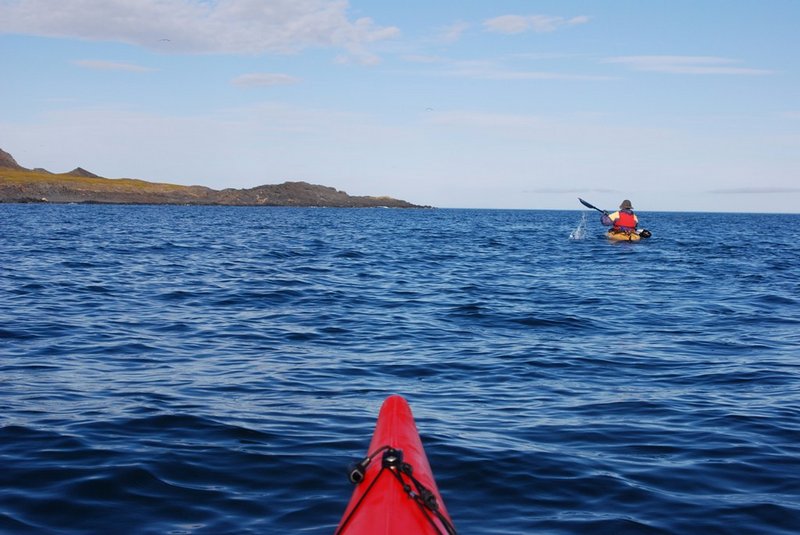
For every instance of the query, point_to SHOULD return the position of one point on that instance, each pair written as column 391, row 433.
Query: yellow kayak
column 627, row 235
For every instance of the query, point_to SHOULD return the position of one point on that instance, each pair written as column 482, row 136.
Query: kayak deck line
column 623, row 235
column 397, row 495
column 627, row 235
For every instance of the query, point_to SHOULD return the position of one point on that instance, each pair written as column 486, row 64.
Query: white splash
column 580, row 231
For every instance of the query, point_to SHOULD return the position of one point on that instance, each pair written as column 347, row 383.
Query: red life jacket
column 626, row 220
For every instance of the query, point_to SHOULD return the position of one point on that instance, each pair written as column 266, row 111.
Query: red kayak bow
column 395, row 493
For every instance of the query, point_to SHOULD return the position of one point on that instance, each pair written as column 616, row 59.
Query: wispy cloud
column 453, row 32
column 421, row 58
column 755, row 190
column 686, row 65
column 510, row 67
column 548, row 129
column 264, row 79
column 490, row 72
column 103, row 65
column 578, row 191
column 199, row 26
column 511, row 24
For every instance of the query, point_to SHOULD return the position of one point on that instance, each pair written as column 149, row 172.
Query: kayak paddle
column 587, row 205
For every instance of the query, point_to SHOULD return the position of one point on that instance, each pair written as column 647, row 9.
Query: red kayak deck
column 380, row 504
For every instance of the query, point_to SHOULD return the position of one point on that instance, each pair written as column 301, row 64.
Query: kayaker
column 623, row 219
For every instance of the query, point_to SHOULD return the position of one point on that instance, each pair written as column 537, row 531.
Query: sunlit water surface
column 214, row 370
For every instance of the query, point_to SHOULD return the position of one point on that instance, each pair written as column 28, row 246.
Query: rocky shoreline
column 21, row 185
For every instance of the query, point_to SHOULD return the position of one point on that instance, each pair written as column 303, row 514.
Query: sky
column 679, row 105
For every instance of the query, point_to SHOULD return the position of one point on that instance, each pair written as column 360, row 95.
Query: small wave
column 214, row 370
column 18, row 334
column 774, row 299
column 570, row 322
column 351, row 255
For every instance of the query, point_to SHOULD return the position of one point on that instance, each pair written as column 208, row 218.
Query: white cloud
column 264, row 79
column 421, row 58
column 197, row 26
column 545, row 130
column 511, row 24
column 754, row 190
column 102, row 65
column 685, row 65
column 487, row 72
column 581, row 190
column 500, row 68
column 452, row 33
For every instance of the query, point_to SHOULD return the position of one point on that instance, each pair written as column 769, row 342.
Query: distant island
column 21, row 185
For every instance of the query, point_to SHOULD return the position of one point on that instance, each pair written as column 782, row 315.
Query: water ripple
column 214, row 370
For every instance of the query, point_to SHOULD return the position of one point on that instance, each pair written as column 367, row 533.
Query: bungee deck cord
column 392, row 461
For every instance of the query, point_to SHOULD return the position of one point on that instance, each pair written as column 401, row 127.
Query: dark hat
column 626, row 205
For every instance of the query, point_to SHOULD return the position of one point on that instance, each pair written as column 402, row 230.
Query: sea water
column 214, row 370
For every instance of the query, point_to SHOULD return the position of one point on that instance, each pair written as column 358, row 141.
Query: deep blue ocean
column 176, row 369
